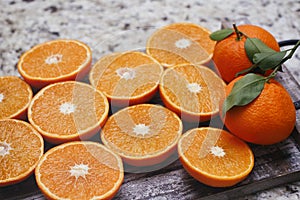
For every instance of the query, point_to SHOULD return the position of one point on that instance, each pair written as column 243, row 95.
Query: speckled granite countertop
column 112, row 25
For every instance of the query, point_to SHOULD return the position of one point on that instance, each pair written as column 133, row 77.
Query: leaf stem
column 277, row 67
column 237, row 32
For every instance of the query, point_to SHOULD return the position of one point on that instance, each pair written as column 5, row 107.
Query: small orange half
column 143, row 134
column 126, row 78
column 180, row 43
column 215, row 157
column 21, row 148
column 193, row 92
column 79, row 170
column 15, row 96
column 68, row 111
column 55, row 61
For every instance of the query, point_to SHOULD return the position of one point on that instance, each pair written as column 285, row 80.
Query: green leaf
column 268, row 60
column 255, row 45
column 221, row 34
column 244, row 91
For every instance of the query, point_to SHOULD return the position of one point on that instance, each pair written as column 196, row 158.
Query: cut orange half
column 143, row 134
column 21, row 147
column 55, row 61
column 193, row 92
column 215, row 157
column 79, row 170
column 181, row 43
column 126, row 78
column 68, row 111
column 15, row 96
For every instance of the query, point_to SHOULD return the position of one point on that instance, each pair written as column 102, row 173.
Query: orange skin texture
column 230, row 56
column 268, row 119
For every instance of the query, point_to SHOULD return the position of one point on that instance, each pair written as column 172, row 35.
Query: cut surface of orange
column 55, row 61
column 181, row 43
column 126, row 78
column 215, row 157
column 68, row 111
column 143, row 135
column 193, row 92
column 15, row 96
column 79, row 170
column 21, row 147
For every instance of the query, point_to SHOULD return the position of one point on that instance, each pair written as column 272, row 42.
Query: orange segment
column 180, row 43
column 143, row 134
column 21, row 147
column 215, row 157
column 193, row 92
column 15, row 96
column 68, row 111
column 54, row 61
column 126, row 78
column 79, row 170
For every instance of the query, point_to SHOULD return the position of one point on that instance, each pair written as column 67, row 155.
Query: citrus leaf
column 221, row 34
column 268, row 60
column 244, row 91
column 255, row 45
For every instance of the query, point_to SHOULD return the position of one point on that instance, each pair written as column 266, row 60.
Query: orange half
column 143, row 134
column 55, row 61
column 215, row 157
column 79, row 170
column 68, row 111
column 15, row 96
column 181, row 43
column 21, row 148
column 193, row 92
column 126, row 78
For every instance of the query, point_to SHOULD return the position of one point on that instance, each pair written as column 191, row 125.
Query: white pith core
column 194, row 87
column 1, row 97
column 217, row 151
column 5, row 148
column 67, row 108
column 53, row 59
column 183, row 43
column 79, row 170
column 126, row 73
column 141, row 129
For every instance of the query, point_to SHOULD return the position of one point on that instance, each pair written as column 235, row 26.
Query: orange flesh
column 164, row 130
column 162, row 44
column 73, row 56
column 146, row 71
column 16, row 96
column 196, row 147
column 103, row 173
column 26, row 149
column 175, row 82
column 90, row 108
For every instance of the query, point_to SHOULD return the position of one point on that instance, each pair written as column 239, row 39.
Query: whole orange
column 229, row 54
column 268, row 119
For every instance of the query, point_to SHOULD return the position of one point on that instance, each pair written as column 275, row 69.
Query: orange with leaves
column 268, row 119
column 230, row 56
